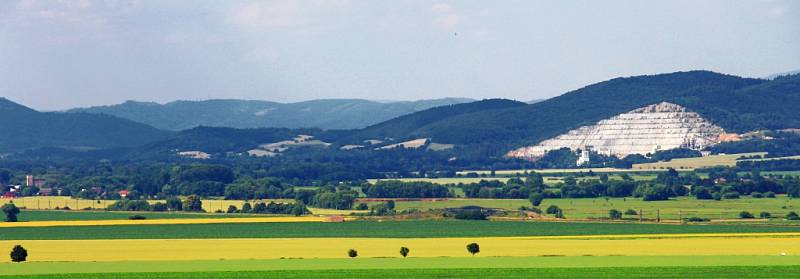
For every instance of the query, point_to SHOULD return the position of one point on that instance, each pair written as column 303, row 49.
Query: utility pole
column 658, row 215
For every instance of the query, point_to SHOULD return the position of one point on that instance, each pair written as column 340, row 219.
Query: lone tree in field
column 473, row 248
column 404, row 251
column 614, row 214
column 11, row 212
column 536, row 198
column 352, row 253
column 19, row 254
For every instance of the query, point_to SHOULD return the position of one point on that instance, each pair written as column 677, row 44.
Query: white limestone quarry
column 656, row 127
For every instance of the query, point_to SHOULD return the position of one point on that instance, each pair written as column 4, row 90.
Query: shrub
column 352, row 253
column 362, row 206
column 404, row 251
column 159, row 206
column 764, row 215
column 552, row 209
column 746, row 215
column 19, row 254
column 697, row 219
column 130, row 205
column 471, row 214
column 136, row 217
column 770, row 195
column 730, row 195
column 473, row 248
column 614, row 214
column 702, row 193
column 247, row 208
column 631, row 212
column 174, row 204
column 792, row 216
column 232, row 209
column 193, row 203
column 756, row 195
column 11, row 212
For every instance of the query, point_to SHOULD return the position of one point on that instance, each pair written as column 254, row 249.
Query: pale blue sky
column 61, row 54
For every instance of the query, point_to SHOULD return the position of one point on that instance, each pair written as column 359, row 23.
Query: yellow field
column 728, row 160
column 208, row 205
column 212, row 249
column 74, row 204
column 162, row 221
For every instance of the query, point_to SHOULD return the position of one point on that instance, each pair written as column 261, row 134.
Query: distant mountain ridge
column 25, row 128
column 243, row 114
column 480, row 129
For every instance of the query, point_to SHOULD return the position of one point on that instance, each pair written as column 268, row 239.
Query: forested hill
column 25, row 128
column 407, row 126
column 324, row 114
column 737, row 104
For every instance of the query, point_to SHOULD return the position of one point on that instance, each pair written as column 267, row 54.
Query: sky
column 61, row 54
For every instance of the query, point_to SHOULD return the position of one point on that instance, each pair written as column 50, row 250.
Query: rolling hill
column 324, row 114
column 26, row 128
column 736, row 104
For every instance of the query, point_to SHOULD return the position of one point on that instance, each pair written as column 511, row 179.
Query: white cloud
column 447, row 22
column 283, row 13
column 441, row 8
column 777, row 11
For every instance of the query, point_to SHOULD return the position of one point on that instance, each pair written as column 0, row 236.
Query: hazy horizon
column 80, row 53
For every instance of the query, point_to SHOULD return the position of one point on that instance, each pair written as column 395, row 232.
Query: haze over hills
column 493, row 126
column 324, row 114
column 25, row 128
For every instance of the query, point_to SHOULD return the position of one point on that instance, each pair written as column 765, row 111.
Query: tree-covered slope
column 325, row 114
column 737, row 104
column 25, row 128
column 407, row 126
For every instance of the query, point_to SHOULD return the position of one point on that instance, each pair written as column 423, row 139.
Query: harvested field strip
column 161, row 222
column 62, row 215
column 363, row 229
column 276, row 248
column 376, row 264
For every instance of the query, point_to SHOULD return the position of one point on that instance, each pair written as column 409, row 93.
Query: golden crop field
column 214, row 249
column 162, row 221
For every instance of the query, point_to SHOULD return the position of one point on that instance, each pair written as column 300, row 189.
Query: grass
column 652, row 272
column 557, row 171
column 599, row 207
column 728, row 160
column 464, row 267
column 305, row 248
column 366, row 229
column 488, row 273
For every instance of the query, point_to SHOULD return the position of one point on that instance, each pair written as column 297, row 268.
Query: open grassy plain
column 463, row 267
column 675, row 208
column 726, row 160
